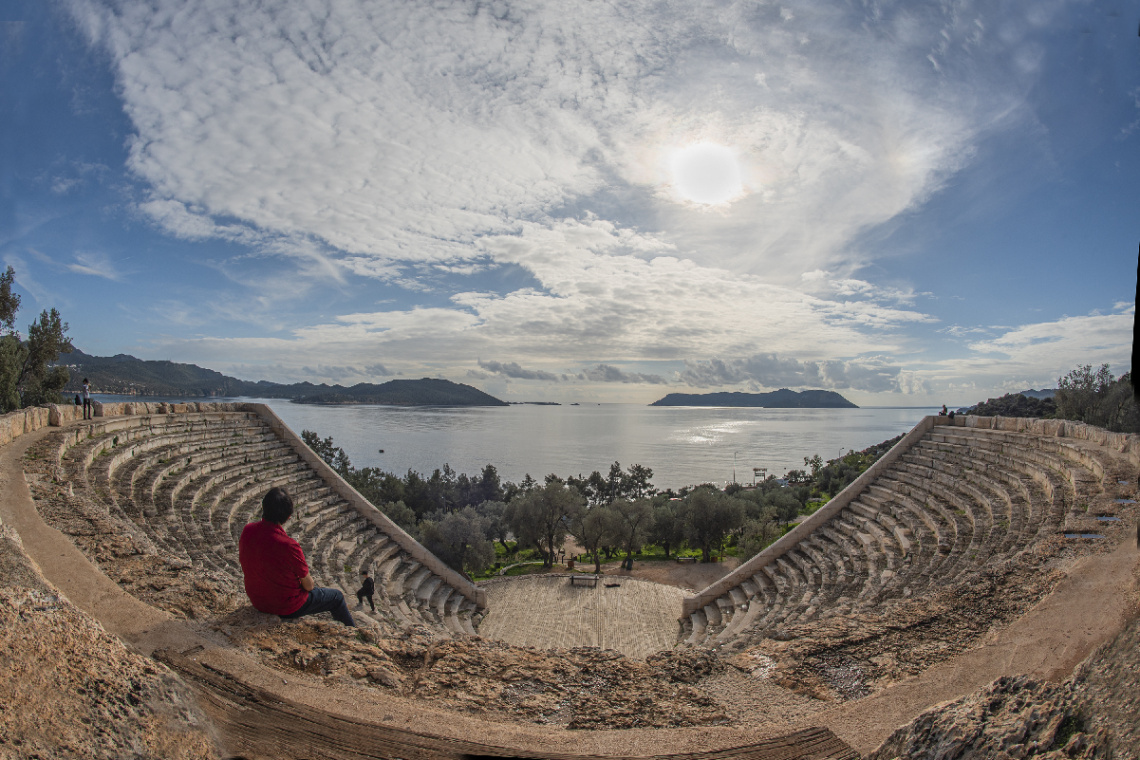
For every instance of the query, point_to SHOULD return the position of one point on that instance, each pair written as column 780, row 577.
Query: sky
column 909, row 203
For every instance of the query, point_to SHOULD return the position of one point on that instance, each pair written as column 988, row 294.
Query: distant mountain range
column 126, row 375
column 781, row 399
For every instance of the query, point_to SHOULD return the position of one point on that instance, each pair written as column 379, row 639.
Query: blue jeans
column 325, row 600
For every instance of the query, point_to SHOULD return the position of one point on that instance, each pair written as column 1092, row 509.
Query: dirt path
column 1088, row 608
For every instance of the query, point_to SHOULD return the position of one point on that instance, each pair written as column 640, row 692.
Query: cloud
column 771, row 371
column 401, row 131
column 1063, row 343
column 607, row 373
column 377, row 369
column 95, row 264
column 594, row 304
column 513, row 370
column 350, row 150
column 1032, row 355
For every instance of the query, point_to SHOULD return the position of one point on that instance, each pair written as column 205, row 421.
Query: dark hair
column 277, row 507
column 84, row 379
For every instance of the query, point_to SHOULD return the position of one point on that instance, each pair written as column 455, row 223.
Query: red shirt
column 273, row 565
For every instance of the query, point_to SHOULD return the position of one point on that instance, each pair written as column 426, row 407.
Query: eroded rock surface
column 849, row 656
column 583, row 687
column 68, row 689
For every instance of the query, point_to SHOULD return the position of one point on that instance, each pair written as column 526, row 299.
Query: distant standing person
column 943, row 412
column 87, row 413
column 277, row 579
column 367, row 589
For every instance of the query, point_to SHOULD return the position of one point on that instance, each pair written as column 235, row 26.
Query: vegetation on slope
column 1015, row 405
column 472, row 522
column 1085, row 395
column 127, row 375
column 27, row 377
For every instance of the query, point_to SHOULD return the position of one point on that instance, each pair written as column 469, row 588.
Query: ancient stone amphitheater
column 983, row 564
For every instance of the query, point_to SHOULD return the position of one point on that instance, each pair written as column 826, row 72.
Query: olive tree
column 541, row 517
column 593, row 528
column 666, row 529
column 459, row 539
column 632, row 520
column 709, row 516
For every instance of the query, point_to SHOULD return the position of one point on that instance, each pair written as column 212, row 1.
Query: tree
column 1077, row 392
column 1097, row 398
column 401, row 514
column 12, row 355
column 637, row 483
column 377, row 486
column 709, row 516
column 459, row 539
column 496, row 527
column 490, row 487
column 28, row 375
column 757, row 534
column 632, row 520
column 667, row 530
column 9, row 302
column 593, row 528
column 332, row 454
column 541, row 517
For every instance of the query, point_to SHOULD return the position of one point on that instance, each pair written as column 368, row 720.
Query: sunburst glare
column 707, row 173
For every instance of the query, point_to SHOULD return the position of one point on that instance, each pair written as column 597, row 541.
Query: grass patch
column 1070, row 726
column 528, row 569
column 812, row 506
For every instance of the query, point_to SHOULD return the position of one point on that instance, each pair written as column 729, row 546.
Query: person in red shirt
column 277, row 579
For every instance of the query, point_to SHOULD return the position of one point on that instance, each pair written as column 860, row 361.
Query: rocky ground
column 68, row 689
column 90, row 697
column 1093, row 714
column 850, row 656
column 583, row 687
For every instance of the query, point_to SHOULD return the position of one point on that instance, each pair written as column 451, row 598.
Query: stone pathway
column 636, row 618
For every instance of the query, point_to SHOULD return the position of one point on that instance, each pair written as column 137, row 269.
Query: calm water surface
column 682, row 445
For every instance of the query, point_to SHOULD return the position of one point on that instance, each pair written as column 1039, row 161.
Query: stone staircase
column 946, row 502
column 191, row 476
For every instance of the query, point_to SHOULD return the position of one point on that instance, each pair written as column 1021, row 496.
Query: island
column 781, row 399
column 425, row 392
column 127, row 375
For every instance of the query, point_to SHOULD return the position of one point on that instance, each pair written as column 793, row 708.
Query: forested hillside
column 127, row 375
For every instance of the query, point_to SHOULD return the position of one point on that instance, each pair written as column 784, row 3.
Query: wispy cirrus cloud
column 94, row 264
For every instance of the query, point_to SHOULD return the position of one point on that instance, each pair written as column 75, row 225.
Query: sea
column 683, row 446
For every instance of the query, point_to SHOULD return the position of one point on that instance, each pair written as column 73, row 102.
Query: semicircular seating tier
column 186, row 478
column 953, row 498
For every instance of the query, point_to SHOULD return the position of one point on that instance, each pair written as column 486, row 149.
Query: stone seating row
column 953, row 501
column 191, row 481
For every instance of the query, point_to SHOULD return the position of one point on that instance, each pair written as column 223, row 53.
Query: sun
column 706, row 173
